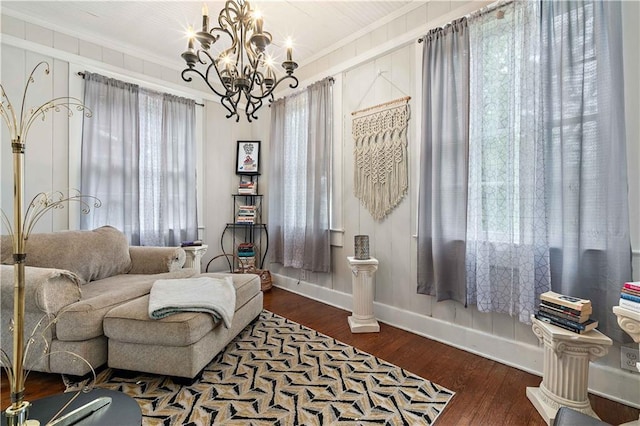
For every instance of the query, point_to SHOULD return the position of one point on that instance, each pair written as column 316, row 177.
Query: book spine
column 568, row 301
column 630, row 291
column 558, row 324
column 564, row 308
column 630, row 297
column 628, row 304
column 563, row 321
column 562, row 314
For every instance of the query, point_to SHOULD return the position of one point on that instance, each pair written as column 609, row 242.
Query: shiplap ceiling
column 156, row 30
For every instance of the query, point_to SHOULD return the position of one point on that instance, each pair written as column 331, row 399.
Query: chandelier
column 243, row 67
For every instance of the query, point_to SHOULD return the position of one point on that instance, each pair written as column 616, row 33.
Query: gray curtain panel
column 110, row 153
column 442, row 200
column 299, row 177
column 138, row 158
column 586, row 162
column 317, row 247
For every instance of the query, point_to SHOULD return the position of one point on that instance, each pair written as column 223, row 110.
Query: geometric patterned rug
column 278, row 372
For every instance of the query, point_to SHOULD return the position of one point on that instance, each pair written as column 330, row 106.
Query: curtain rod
column 81, row 74
column 480, row 12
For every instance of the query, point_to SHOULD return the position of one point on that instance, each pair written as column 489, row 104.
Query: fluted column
column 629, row 321
column 363, row 320
column 194, row 256
column 565, row 376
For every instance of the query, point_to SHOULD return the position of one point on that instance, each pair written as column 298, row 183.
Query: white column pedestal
column 362, row 320
column 629, row 321
column 565, row 376
column 194, row 256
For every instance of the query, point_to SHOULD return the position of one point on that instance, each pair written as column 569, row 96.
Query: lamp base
column 18, row 416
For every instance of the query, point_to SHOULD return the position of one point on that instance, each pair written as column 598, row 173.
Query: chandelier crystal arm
column 204, row 76
column 225, row 98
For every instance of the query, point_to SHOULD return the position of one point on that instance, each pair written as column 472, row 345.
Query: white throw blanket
column 210, row 295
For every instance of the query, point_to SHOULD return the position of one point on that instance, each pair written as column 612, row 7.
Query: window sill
column 337, row 237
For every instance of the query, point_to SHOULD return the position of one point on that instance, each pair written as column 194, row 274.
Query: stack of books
column 246, row 214
column 247, row 188
column 570, row 313
column 630, row 296
column 247, row 256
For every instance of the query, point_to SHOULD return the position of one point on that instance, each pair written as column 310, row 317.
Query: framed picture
column 248, row 158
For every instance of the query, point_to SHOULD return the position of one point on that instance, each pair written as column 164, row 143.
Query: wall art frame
column 248, row 158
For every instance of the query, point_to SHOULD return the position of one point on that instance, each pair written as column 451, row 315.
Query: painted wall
column 372, row 69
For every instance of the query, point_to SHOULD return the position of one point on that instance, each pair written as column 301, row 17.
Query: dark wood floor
column 487, row 392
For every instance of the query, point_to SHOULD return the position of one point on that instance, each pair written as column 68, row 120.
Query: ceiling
column 155, row 30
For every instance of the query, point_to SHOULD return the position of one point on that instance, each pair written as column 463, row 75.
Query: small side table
column 565, row 376
column 629, row 321
column 122, row 411
column 362, row 320
column 194, row 256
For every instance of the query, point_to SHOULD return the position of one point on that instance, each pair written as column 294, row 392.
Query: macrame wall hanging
column 380, row 178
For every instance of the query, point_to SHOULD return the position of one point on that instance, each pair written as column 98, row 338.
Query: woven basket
column 265, row 278
column 266, row 282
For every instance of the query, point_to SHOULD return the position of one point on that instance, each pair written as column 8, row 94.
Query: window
column 507, row 254
column 547, row 203
column 138, row 158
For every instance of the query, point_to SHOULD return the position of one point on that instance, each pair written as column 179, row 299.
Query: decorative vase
column 361, row 247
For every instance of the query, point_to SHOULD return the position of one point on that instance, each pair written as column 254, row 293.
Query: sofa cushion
column 46, row 290
column 83, row 320
column 130, row 322
column 92, row 255
column 155, row 260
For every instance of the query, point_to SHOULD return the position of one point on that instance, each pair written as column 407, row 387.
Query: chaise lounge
column 87, row 296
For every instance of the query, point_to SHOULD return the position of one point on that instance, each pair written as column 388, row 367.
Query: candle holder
column 361, row 247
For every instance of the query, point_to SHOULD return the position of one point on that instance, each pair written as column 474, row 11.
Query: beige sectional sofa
column 87, row 296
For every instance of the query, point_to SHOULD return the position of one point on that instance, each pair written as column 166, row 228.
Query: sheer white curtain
column 299, row 178
column 442, row 202
column 507, row 255
column 167, row 169
column 586, row 159
column 139, row 159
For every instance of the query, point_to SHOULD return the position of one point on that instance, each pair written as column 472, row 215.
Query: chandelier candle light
column 244, row 70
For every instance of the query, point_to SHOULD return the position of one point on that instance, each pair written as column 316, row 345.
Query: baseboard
column 611, row 383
